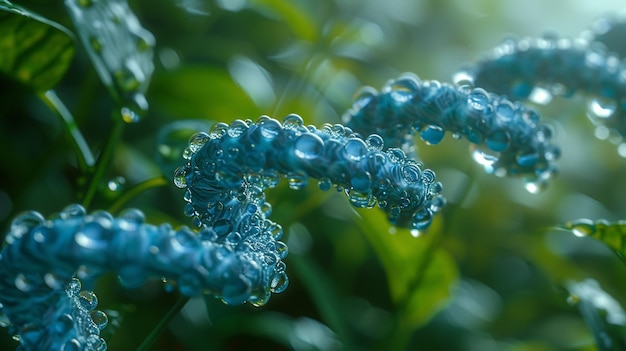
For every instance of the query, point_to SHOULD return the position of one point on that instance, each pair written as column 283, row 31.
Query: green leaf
column 602, row 313
column 419, row 273
column 33, row 50
column 612, row 235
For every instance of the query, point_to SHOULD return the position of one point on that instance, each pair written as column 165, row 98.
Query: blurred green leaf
column 298, row 19
column 201, row 92
column 602, row 313
column 34, row 50
column 612, row 235
column 419, row 273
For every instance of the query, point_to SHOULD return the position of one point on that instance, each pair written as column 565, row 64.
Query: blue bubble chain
column 508, row 138
column 559, row 66
column 43, row 304
column 230, row 167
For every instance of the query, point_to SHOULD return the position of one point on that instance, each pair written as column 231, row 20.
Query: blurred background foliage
column 488, row 275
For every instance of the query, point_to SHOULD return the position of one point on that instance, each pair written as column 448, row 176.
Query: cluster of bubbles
column 43, row 260
column 507, row 137
column 229, row 168
column 120, row 49
column 539, row 68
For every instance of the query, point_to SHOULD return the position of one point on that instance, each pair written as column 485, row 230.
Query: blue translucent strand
column 45, row 308
column 560, row 66
column 508, row 138
column 230, row 167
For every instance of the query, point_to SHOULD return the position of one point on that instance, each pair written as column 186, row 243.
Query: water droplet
column 282, row 249
column 198, row 140
column 463, row 80
column 237, row 128
column 53, row 281
column 411, row 173
column 218, row 130
column 270, row 128
column 72, row 345
column 540, row 96
column 355, row 149
column 129, row 116
column 116, row 184
column 505, row 110
column 478, row 99
column 599, row 109
column 375, row 142
column 279, row 282
column 498, row 140
column 133, row 215
column 73, row 211
column 293, row 122
column 24, row 222
column 22, row 283
column 432, row 135
column 100, row 318
column 361, row 199
column 297, row 180
column 180, row 177
column 485, row 158
column 73, row 287
column 428, row 176
column 422, row 219
column 308, row 146
column 324, row 184
column 582, row 227
column 88, row 300
column 404, row 88
column 364, row 96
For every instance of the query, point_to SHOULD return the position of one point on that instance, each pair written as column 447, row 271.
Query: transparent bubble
column 363, row 97
column 422, row 219
column 99, row 318
column 432, row 135
column 293, row 121
column 324, row 184
column 133, row 215
column 218, row 130
column 411, row 173
column 478, row 99
column 599, row 109
column 355, row 149
column 269, row 128
column 88, row 300
column 237, row 128
column 361, row 199
column 116, row 184
column 308, row 146
column 180, row 177
column 279, row 282
column 463, row 80
column 72, row 345
column 527, row 158
column 282, row 249
column 198, row 140
column 22, row 283
column 582, row 227
column 94, row 235
column 505, row 110
column 375, row 142
column 73, row 287
column 24, row 222
column 297, row 180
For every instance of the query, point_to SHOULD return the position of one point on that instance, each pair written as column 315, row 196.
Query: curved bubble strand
column 231, row 189
column 505, row 130
column 43, row 303
column 119, row 48
column 591, row 64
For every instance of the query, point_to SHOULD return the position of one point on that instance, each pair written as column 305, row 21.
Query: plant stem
column 136, row 190
column 103, row 160
column 81, row 148
column 165, row 321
